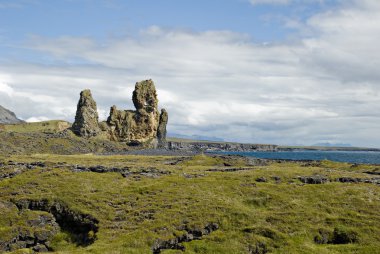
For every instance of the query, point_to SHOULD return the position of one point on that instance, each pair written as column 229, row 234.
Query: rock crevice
column 81, row 227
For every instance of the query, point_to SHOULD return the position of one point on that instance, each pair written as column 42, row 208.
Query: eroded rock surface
column 140, row 126
column 145, row 125
column 81, row 227
column 86, row 118
column 35, row 232
column 314, row 179
column 161, row 131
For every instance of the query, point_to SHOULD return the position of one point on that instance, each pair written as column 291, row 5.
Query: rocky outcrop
column 81, row 227
column 190, row 235
column 145, row 97
column 139, row 126
column 8, row 117
column 86, row 118
column 161, row 131
column 35, row 223
column 135, row 127
column 35, row 233
column 314, row 179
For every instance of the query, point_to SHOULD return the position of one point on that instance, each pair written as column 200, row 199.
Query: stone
column 40, row 248
column 143, row 126
column 86, row 118
column 145, row 96
column 161, row 131
column 261, row 179
column 277, row 179
column 140, row 126
column 315, row 179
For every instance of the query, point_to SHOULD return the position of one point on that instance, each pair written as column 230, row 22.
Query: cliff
column 216, row 146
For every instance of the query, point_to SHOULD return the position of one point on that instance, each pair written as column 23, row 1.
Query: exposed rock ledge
column 215, row 146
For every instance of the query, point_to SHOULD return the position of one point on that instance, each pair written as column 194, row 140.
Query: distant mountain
column 8, row 117
column 333, row 144
column 195, row 137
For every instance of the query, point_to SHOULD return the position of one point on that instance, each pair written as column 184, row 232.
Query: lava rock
column 161, row 131
column 316, row 179
column 261, row 180
column 86, row 118
column 140, row 126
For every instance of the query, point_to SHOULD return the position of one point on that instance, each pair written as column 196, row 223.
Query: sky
column 291, row 72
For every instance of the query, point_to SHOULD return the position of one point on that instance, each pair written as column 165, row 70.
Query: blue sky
column 104, row 18
column 262, row 71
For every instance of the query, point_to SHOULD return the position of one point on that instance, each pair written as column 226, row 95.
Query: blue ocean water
column 360, row 157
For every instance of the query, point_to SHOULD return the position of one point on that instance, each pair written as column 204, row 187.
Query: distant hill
column 333, row 144
column 8, row 117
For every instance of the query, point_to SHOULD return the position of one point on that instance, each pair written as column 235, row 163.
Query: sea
column 359, row 157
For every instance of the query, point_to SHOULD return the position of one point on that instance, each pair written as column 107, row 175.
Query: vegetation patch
column 162, row 200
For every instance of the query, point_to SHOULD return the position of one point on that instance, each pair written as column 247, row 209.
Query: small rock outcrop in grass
column 35, row 232
column 340, row 235
column 315, row 179
column 190, row 235
column 81, row 227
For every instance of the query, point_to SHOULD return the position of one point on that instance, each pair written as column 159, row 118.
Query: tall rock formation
column 138, row 126
column 161, row 131
column 145, row 125
column 86, row 118
column 8, row 117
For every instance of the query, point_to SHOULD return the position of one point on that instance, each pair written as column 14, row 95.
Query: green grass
column 284, row 217
column 45, row 126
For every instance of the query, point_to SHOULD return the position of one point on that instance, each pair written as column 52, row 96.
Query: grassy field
column 45, row 126
column 257, row 209
column 51, row 137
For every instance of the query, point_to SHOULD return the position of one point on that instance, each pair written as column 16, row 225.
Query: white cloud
column 4, row 88
column 218, row 83
column 37, row 119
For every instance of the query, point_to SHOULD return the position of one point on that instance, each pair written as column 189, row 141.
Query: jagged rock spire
column 161, row 131
column 86, row 118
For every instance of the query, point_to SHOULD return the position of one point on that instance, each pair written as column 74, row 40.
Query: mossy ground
column 284, row 216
